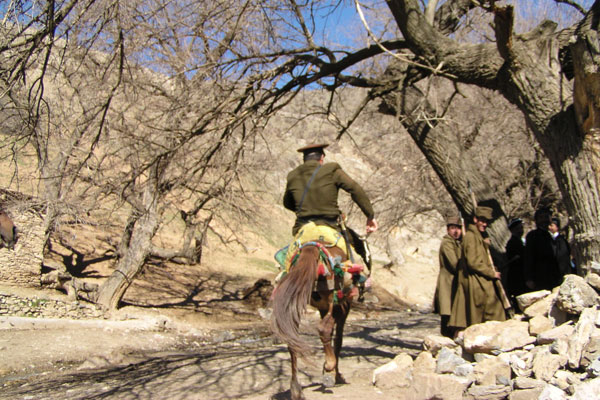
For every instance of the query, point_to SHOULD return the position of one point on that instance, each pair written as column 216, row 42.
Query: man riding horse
column 312, row 193
column 319, row 266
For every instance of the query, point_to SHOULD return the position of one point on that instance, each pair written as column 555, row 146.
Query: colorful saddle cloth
column 312, row 232
column 333, row 273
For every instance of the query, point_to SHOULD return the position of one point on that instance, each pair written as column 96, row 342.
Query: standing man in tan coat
column 476, row 298
column 449, row 256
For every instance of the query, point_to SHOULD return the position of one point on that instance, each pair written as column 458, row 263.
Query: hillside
column 244, row 233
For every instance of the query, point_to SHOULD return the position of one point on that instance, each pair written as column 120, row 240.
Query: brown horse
column 307, row 282
column 8, row 232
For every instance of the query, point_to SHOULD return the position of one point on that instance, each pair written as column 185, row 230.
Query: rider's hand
column 372, row 225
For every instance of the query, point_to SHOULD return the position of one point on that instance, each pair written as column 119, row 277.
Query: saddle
column 345, row 277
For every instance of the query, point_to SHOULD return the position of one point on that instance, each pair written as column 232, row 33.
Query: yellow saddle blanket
column 312, row 232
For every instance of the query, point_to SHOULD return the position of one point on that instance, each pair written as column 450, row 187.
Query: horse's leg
column 339, row 314
column 325, row 333
column 295, row 387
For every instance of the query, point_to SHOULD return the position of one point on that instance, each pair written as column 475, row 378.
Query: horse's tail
column 291, row 297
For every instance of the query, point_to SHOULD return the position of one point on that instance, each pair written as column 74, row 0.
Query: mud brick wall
column 23, row 265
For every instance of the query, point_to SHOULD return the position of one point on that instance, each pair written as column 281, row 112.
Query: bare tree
column 168, row 95
column 144, row 107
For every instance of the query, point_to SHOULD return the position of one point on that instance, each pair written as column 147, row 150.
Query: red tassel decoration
column 355, row 269
column 321, row 269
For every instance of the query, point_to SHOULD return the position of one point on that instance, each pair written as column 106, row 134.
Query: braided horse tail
column 291, row 297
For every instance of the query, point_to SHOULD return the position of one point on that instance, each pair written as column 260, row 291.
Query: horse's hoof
column 339, row 380
column 296, row 391
column 328, row 380
column 298, row 396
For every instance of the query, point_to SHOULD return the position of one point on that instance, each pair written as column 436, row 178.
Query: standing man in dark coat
column 541, row 267
column 476, row 299
column 449, row 256
column 562, row 250
column 515, row 254
column 312, row 191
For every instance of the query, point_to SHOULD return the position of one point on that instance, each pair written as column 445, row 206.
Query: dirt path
column 224, row 362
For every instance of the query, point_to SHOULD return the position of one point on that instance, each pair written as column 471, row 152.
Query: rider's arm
column 359, row 196
column 288, row 200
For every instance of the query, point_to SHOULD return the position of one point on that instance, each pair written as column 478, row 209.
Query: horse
column 8, row 231
column 305, row 283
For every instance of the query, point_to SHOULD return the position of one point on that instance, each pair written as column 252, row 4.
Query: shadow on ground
column 241, row 368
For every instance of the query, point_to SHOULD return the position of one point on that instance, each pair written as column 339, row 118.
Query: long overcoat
column 476, row 299
column 541, row 266
column 449, row 255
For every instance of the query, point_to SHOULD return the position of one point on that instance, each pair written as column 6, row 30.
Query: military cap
column 316, row 147
column 483, row 212
column 514, row 222
column 453, row 220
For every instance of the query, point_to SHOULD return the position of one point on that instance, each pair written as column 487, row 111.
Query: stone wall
column 40, row 307
column 23, row 265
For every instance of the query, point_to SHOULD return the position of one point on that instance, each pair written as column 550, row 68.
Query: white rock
column 575, row 295
column 447, row 361
column 580, row 338
column 541, row 307
column 497, row 336
column 551, row 392
column 587, row 390
column 396, row 373
column 527, row 299
column 540, row 324
column 434, row 343
column 563, row 331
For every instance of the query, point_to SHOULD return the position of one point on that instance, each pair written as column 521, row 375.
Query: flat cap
column 483, row 212
column 313, row 147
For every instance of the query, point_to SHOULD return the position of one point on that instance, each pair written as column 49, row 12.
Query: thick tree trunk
column 527, row 71
column 460, row 175
column 135, row 253
column 586, row 100
column 536, row 84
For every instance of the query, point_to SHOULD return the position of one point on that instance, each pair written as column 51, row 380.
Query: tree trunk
column 586, row 100
column 539, row 88
column 460, row 175
column 527, row 71
column 136, row 252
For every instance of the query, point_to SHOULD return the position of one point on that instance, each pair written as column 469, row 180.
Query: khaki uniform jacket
column 449, row 255
column 321, row 201
column 476, row 300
